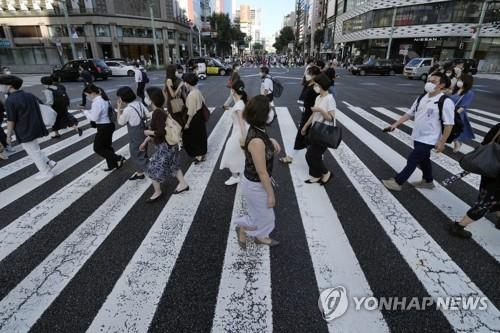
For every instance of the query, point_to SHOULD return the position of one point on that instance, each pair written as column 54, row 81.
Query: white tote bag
column 48, row 114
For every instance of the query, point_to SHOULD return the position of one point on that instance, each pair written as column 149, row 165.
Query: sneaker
column 44, row 176
column 392, row 185
column 9, row 149
column 51, row 164
column 459, row 231
column 3, row 156
column 424, row 184
column 232, row 181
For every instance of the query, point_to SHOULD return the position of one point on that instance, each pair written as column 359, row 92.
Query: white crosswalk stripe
column 245, row 297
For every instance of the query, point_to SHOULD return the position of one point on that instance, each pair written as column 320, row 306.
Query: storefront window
column 26, row 31
column 102, row 30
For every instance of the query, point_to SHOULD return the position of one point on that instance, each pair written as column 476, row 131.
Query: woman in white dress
column 234, row 157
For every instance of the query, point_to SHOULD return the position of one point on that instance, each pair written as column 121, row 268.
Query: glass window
column 2, row 32
column 382, row 18
column 404, row 16
column 102, row 30
column 26, row 31
column 159, row 34
column 128, row 32
column 426, row 63
column 445, row 12
column 171, row 34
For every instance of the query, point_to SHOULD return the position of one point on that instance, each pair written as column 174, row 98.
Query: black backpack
column 145, row 77
column 458, row 127
column 277, row 87
column 61, row 99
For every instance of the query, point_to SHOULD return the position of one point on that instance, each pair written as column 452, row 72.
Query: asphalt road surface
column 83, row 252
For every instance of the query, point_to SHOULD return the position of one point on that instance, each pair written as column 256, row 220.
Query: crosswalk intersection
column 326, row 233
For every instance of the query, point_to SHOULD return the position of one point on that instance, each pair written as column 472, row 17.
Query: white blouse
column 98, row 112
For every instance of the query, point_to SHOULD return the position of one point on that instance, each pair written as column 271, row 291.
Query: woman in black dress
column 489, row 195
column 308, row 95
column 194, row 136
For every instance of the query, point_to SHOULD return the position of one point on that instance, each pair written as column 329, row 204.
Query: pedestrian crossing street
column 57, row 289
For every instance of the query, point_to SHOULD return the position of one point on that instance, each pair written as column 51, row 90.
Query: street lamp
column 68, row 27
column 154, row 33
column 475, row 45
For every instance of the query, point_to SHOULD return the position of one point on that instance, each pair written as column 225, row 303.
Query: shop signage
column 5, row 44
column 426, row 39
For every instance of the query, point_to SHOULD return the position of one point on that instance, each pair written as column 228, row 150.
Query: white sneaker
column 232, row 181
column 44, row 176
column 52, row 164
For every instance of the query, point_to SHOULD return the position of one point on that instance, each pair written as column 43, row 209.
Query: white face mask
column 317, row 89
column 458, row 71
column 178, row 75
column 460, row 84
column 148, row 101
column 429, row 87
column 448, row 74
column 4, row 88
column 237, row 69
column 308, row 77
column 262, row 74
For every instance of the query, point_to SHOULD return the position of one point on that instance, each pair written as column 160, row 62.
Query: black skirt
column 194, row 139
column 301, row 140
column 64, row 119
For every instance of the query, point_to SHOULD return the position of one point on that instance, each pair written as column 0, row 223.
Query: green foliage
column 258, row 46
column 226, row 33
column 284, row 38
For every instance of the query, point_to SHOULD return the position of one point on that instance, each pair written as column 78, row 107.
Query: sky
column 273, row 12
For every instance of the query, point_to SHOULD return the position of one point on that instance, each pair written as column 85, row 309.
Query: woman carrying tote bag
column 489, row 195
column 322, row 111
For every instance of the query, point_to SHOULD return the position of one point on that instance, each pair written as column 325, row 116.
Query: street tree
column 225, row 33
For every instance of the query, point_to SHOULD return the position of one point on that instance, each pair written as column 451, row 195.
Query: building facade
column 250, row 23
column 224, row 7
column 35, row 34
column 420, row 28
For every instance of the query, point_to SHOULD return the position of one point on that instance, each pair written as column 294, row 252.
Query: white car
column 121, row 68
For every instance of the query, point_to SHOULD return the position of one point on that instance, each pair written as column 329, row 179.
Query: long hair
column 239, row 87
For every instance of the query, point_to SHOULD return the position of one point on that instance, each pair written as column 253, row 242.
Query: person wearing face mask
column 463, row 99
column 133, row 113
column 450, row 73
column 57, row 98
column 429, row 132
column 322, row 111
column 234, row 157
column 308, row 97
column 101, row 116
column 174, row 89
column 165, row 159
column 25, row 120
column 235, row 76
column 87, row 79
column 194, row 136
column 266, row 89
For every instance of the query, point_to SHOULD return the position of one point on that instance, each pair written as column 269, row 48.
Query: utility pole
column 154, row 33
column 475, row 45
column 68, row 27
column 388, row 55
column 199, row 41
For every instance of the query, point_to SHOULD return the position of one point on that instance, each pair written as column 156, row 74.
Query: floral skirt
column 163, row 163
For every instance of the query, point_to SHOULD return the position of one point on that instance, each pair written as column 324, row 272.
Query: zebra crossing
column 249, row 291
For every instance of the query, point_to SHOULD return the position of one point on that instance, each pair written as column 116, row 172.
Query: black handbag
column 484, row 160
column 325, row 135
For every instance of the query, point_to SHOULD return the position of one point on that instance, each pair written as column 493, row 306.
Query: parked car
column 418, row 68
column 381, row 67
column 121, row 68
column 470, row 65
column 214, row 66
column 69, row 72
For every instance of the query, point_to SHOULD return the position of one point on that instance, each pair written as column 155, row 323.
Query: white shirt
column 98, row 112
column 327, row 103
column 131, row 116
column 267, row 83
column 427, row 127
column 138, row 75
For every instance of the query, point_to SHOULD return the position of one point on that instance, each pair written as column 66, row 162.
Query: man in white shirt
column 429, row 131
column 139, row 81
column 266, row 89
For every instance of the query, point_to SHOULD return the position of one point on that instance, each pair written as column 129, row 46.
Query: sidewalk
column 489, row 76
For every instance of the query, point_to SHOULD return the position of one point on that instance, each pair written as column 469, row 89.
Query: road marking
column 333, row 258
column 368, row 84
column 244, row 298
column 24, row 227
column 439, row 274
column 52, row 149
column 449, row 204
column 29, row 184
column 486, row 91
column 486, row 113
column 24, row 304
column 132, row 303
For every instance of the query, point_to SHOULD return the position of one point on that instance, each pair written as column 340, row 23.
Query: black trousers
column 84, row 97
column 103, row 144
column 140, row 90
column 3, row 137
column 314, row 158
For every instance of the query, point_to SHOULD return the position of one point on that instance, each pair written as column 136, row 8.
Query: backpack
column 277, row 88
column 145, row 77
column 61, row 99
column 144, row 119
column 173, row 131
column 458, row 127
